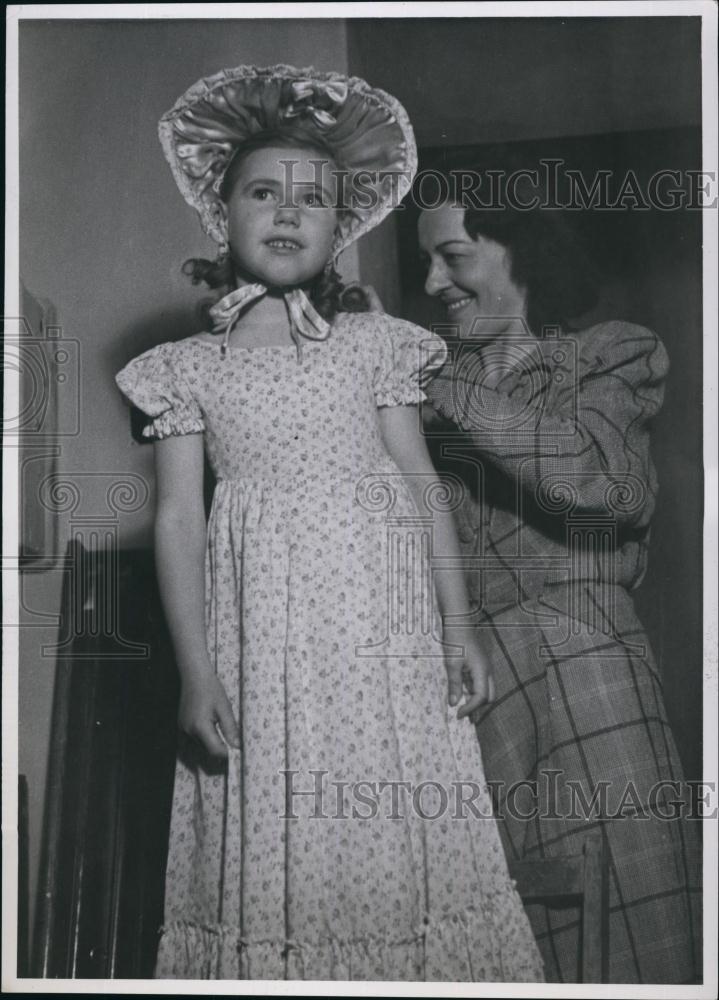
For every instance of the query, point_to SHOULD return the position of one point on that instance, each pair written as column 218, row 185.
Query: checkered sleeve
column 576, row 436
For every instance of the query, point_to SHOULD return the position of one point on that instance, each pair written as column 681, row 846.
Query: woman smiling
column 548, row 428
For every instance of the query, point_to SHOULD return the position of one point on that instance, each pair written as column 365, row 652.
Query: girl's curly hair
column 327, row 292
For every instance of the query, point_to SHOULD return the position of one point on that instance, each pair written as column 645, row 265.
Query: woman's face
column 281, row 220
column 472, row 277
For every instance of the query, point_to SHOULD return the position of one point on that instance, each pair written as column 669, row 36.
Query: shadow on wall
column 167, row 325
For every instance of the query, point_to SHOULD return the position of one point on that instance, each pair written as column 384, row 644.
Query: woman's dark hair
column 327, row 292
column 549, row 257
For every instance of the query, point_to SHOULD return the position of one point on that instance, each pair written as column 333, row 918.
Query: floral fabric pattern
column 323, row 629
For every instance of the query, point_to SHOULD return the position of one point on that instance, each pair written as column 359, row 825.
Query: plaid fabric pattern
column 579, row 712
column 561, row 438
column 557, row 493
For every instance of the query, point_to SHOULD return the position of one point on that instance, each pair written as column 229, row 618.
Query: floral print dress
column 350, row 837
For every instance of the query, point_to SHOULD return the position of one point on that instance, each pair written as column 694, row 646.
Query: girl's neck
column 265, row 322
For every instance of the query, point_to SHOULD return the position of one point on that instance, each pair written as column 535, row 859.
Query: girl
column 557, row 429
column 349, row 834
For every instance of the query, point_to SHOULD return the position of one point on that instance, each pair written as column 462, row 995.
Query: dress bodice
column 267, row 417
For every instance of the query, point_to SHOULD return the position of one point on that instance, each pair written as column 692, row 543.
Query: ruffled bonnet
column 366, row 129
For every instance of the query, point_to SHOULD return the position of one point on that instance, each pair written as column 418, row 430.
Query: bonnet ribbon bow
column 307, row 94
column 305, row 321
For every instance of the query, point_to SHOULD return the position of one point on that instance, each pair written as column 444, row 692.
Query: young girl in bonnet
column 335, row 841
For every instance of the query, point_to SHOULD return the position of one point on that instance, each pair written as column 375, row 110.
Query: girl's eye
column 314, row 201
column 452, row 258
column 263, row 194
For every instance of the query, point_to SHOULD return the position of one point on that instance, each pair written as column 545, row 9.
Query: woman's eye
column 262, row 194
column 314, row 201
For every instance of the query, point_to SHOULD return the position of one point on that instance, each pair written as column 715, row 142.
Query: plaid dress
column 555, row 492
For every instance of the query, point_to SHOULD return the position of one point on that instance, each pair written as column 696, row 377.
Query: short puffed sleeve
column 154, row 384
column 407, row 358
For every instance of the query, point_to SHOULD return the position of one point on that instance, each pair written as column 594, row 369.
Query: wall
column 469, row 81
column 479, row 80
column 103, row 234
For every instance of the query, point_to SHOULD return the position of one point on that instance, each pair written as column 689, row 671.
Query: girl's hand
column 473, row 671
column 203, row 705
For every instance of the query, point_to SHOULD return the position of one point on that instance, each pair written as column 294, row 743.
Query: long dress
column 295, row 861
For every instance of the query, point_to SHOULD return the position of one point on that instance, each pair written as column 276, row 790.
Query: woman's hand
column 374, row 303
column 373, row 299
column 204, row 705
column 432, row 419
column 471, row 671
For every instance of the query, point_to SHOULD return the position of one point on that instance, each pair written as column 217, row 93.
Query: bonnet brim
column 366, row 129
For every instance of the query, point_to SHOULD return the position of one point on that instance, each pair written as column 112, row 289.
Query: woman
column 547, row 431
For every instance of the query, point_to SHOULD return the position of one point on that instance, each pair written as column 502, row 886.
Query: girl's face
column 281, row 219
column 472, row 277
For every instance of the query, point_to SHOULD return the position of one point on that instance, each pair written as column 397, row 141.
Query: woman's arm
column 556, row 429
column 180, row 539
column 403, row 439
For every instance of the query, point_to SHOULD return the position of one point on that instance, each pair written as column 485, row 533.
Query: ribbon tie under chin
column 305, row 321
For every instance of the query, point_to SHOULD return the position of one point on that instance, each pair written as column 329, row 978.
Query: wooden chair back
column 550, row 880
